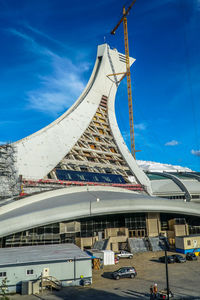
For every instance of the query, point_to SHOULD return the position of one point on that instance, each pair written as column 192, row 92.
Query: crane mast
column 128, row 74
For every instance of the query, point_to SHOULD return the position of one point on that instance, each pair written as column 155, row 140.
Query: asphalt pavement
column 184, row 281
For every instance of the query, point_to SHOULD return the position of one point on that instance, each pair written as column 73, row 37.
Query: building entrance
column 137, row 233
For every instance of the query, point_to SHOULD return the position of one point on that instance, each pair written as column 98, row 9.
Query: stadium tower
column 86, row 138
column 76, row 181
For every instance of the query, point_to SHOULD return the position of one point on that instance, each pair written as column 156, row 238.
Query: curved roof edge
column 82, row 202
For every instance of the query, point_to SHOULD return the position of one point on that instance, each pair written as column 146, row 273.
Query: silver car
column 124, row 254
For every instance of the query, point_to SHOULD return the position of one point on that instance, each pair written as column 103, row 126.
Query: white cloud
column 47, row 102
column 195, row 152
column 126, row 136
column 59, row 90
column 172, row 143
column 20, row 34
column 40, row 33
column 32, row 45
column 140, row 126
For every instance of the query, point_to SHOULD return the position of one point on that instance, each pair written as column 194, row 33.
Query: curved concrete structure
column 82, row 202
column 86, row 141
column 39, row 153
column 176, row 184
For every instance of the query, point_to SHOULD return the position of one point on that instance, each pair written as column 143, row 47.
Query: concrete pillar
column 153, row 224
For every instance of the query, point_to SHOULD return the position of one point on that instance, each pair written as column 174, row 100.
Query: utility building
column 50, row 265
column 186, row 244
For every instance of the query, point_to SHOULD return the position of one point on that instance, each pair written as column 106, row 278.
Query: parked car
column 191, row 256
column 179, row 258
column 125, row 272
column 124, row 254
column 170, row 259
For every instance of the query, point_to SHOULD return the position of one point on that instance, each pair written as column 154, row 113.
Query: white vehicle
column 124, row 254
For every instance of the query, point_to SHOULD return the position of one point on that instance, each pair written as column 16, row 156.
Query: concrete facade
column 178, row 229
column 153, row 224
column 71, row 204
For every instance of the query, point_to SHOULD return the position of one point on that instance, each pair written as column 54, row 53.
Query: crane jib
column 130, row 105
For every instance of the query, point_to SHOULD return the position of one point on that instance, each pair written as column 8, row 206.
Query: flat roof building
column 63, row 265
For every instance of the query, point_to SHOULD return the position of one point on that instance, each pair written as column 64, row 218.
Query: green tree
column 4, row 289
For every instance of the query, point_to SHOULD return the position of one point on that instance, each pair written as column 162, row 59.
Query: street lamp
column 166, row 268
column 97, row 200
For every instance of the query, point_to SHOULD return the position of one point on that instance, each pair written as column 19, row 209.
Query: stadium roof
column 80, row 202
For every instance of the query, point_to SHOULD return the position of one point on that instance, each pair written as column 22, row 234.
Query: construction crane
column 128, row 74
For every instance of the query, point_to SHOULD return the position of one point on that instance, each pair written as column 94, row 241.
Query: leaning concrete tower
column 86, row 138
column 92, row 182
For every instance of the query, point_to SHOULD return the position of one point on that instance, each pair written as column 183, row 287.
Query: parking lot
column 184, row 281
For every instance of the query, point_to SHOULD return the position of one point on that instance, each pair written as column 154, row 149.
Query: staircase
column 137, row 245
column 51, row 282
column 101, row 245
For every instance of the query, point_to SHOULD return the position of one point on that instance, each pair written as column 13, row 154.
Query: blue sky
column 48, row 49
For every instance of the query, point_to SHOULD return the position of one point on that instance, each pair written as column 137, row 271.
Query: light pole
column 166, row 269
column 97, row 200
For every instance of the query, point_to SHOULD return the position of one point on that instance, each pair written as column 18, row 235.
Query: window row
column 28, row 272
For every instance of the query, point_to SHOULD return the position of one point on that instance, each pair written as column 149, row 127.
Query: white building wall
column 65, row 271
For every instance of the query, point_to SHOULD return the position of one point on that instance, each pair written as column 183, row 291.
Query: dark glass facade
column 93, row 227
column 89, row 227
column 69, row 175
column 192, row 222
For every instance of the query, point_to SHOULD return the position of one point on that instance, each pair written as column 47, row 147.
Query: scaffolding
column 9, row 182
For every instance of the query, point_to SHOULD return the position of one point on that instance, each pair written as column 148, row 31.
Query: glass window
column 2, row 274
column 89, row 176
column 40, row 230
column 29, row 272
column 81, row 177
column 56, row 228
